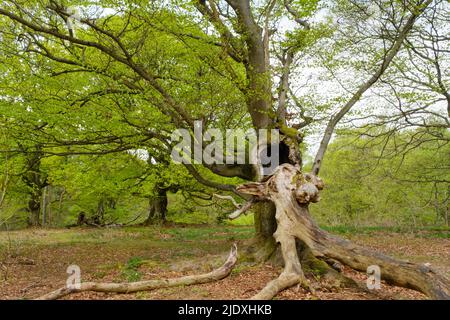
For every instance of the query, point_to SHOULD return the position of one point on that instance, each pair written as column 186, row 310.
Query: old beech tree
column 216, row 60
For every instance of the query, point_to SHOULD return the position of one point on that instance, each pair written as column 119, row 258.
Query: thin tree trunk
column 99, row 217
column 388, row 58
column 5, row 182
column 447, row 207
column 49, row 205
column 60, row 202
column 264, row 245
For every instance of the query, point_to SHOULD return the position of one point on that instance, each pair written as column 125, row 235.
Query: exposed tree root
column 214, row 275
column 291, row 192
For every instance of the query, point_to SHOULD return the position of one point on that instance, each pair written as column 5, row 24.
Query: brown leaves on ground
column 103, row 256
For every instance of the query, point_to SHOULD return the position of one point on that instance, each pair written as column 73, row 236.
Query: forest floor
column 34, row 262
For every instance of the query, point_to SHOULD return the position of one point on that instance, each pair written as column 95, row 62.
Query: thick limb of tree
column 214, row 275
column 36, row 181
column 292, row 273
column 291, row 192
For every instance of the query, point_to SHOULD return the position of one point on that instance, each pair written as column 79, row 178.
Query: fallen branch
column 241, row 208
column 214, row 275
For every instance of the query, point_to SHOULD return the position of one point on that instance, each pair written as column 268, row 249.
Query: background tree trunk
column 292, row 192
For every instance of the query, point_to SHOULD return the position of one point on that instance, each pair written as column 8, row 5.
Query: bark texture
column 214, row 275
